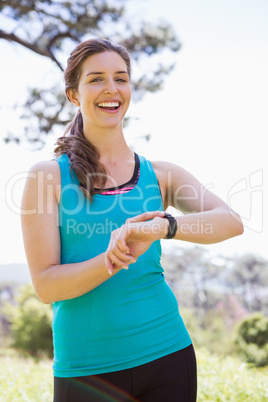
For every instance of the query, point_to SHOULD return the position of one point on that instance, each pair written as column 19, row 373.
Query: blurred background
column 200, row 100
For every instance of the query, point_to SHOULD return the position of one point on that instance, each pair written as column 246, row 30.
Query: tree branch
column 14, row 38
column 60, row 35
column 11, row 37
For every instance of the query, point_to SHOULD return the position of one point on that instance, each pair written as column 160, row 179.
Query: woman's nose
column 111, row 88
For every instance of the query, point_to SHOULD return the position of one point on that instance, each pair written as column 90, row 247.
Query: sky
column 210, row 117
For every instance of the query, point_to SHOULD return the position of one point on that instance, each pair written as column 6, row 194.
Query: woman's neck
column 110, row 143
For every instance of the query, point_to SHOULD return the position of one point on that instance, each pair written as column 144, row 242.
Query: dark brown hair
column 83, row 155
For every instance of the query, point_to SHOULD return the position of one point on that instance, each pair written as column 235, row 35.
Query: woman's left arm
column 206, row 218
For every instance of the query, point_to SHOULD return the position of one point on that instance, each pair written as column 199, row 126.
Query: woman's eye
column 96, row 79
column 99, row 79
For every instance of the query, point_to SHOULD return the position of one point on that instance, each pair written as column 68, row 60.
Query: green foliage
column 251, row 339
column 219, row 379
column 51, row 29
column 31, row 324
column 201, row 281
column 250, row 273
column 209, row 332
column 227, row 379
column 24, row 379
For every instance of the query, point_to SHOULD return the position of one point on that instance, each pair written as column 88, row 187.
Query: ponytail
column 83, row 155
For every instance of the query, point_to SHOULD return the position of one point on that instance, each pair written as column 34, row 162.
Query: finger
column 109, row 265
column 126, row 258
column 124, row 255
column 119, row 247
column 122, row 246
column 117, row 261
column 146, row 216
column 117, row 254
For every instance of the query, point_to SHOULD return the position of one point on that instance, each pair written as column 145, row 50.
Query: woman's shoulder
column 45, row 172
column 165, row 168
column 162, row 168
column 46, row 168
column 45, row 175
column 170, row 174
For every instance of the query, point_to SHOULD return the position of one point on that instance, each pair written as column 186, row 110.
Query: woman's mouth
column 108, row 106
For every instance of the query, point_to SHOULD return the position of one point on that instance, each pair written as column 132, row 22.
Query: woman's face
column 104, row 91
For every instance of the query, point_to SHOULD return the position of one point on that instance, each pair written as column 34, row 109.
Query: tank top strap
column 67, row 173
column 147, row 173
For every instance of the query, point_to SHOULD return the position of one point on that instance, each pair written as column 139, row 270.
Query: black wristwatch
column 172, row 227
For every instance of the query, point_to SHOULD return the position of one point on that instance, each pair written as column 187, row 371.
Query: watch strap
column 172, row 227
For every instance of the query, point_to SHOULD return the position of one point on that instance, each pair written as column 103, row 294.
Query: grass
column 22, row 379
column 223, row 379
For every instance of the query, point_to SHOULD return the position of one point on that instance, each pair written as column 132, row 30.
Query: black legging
column 171, row 378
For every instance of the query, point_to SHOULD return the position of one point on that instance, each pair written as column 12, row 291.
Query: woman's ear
column 72, row 95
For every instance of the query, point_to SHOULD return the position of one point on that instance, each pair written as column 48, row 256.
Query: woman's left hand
column 135, row 237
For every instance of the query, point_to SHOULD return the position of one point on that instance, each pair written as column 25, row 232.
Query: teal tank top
column 133, row 317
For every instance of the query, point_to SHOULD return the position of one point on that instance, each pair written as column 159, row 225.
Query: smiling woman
column 94, row 251
column 109, row 91
column 92, row 88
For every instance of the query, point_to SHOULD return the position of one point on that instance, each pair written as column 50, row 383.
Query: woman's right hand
column 134, row 238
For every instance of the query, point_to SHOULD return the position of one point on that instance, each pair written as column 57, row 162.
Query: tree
column 249, row 277
column 30, row 323
column 251, row 339
column 51, row 28
column 192, row 274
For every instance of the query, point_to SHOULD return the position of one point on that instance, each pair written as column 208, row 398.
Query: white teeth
column 108, row 104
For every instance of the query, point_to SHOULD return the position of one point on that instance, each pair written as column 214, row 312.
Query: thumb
column 146, row 216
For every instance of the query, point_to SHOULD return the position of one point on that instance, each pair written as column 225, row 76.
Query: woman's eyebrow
column 99, row 72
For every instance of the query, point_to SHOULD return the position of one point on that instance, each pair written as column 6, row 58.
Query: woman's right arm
column 39, row 215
